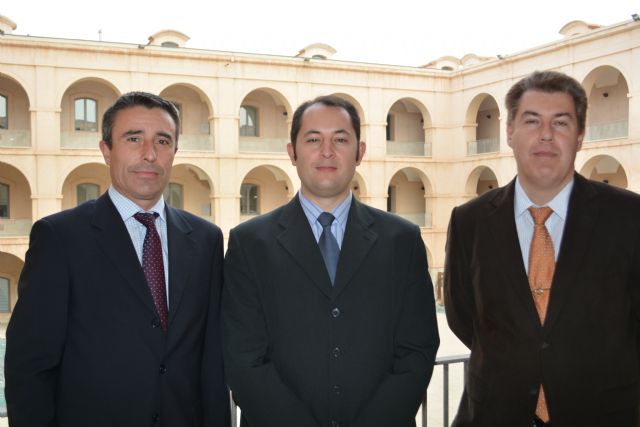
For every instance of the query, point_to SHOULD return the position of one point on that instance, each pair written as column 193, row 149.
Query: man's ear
column 292, row 153
column 106, row 152
column 362, row 147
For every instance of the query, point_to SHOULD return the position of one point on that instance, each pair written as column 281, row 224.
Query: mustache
column 146, row 168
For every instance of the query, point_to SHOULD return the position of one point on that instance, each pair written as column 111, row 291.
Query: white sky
column 400, row 32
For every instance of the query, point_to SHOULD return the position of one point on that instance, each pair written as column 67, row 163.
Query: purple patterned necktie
column 153, row 266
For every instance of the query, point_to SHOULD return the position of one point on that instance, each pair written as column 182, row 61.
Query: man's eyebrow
column 165, row 135
column 536, row 114
column 132, row 132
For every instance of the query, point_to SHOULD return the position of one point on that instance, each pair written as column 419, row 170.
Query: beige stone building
column 435, row 134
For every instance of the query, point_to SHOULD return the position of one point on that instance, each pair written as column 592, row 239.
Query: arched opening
column 84, row 183
column 82, row 107
column 10, row 269
column 483, row 130
column 406, row 129
column 481, row 180
column 605, row 169
column 263, row 189
column 608, row 114
column 409, row 194
column 15, row 202
column 195, row 116
column 190, row 189
column 263, row 122
column 15, row 118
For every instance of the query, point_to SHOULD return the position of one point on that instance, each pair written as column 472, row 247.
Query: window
column 174, row 195
column 248, row 121
column 86, row 115
column 4, row 295
column 4, row 115
column 390, row 130
column 86, row 192
column 248, row 199
column 4, row 200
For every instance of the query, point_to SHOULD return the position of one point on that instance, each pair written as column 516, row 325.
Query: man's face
column 141, row 154
column 544, row 137
column 326, row 154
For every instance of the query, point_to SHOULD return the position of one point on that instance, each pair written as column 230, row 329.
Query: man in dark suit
column 117, row 323
column 334, row 324
column 550, row 308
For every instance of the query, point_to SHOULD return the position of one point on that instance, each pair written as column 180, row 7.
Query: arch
column 274, row 189
column 607, row 169
column 267, row 130
column 411, row 101
column 482, row 130
column 409, row 192
column 92, row 172
column 481, row 180
column 18, row 81
column 74, row 133
column 20, row 206
column 88, row 79
column 198, row 188
column 277, row 97
column 408, row 128
column 193, row 88
column 10, row 268
column 608, row 115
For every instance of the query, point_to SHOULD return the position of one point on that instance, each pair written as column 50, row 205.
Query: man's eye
column 164, row 141
column 342, row 140
column 134, row 139
column 313, row 140
column 561, row 123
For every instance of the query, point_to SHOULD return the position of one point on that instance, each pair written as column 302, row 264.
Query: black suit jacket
column 586, row 354
column 300, row 352
column 84, row 346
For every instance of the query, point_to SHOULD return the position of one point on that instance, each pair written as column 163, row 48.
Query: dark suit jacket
column 302, row 353
column 586, row 354
column 84, row 346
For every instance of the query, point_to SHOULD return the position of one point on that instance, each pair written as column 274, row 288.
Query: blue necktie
column 328, row 245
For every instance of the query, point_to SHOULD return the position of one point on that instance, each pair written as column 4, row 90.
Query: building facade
column 435, row 134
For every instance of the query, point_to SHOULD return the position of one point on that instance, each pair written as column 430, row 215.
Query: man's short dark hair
column 327, row 101
column 135, row 99
column 549, row 82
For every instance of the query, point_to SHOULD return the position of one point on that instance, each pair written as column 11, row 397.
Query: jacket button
column 336, row 389
column 163, row 369
column 155, row 418
column 336, row 352
column 335, row 423
column 545, row 345
column 335, row 312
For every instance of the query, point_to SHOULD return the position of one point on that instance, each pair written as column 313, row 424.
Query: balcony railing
column 80, row 140
column 610, row 130
column 263, row 145
column 420, row 219
column 445, row 362
column 481, row 146
column 15, row 138
column 409, row 148
column 195, row 142
column 15, row 227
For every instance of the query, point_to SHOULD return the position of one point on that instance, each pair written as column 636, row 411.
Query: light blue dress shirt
column 127, row 209
column 340, row 212
column 555, row 223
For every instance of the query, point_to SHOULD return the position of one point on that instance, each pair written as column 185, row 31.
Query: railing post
column 445, row 397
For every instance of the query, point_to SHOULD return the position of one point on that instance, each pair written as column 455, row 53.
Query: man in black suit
column 117, row 323
column 553, row 329
column 334, row 324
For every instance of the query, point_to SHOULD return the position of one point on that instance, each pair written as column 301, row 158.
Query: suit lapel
column 581, row 219
column 502, row 233
column 298, row 240
column 181, row 252
column 113, row 237
column 358, row 241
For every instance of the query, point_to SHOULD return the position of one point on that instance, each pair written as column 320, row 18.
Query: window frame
column 246, row 199
column 243, row 128
column 85, row 125
column 4, row 99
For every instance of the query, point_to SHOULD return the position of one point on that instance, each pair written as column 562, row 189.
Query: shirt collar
column 128, row 208
column 559, row 204
column 312, row 211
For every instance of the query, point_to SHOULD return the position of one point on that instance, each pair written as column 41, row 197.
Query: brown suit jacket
column 586, row 354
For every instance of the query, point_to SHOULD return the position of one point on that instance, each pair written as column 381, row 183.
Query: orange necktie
column 542, row 264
